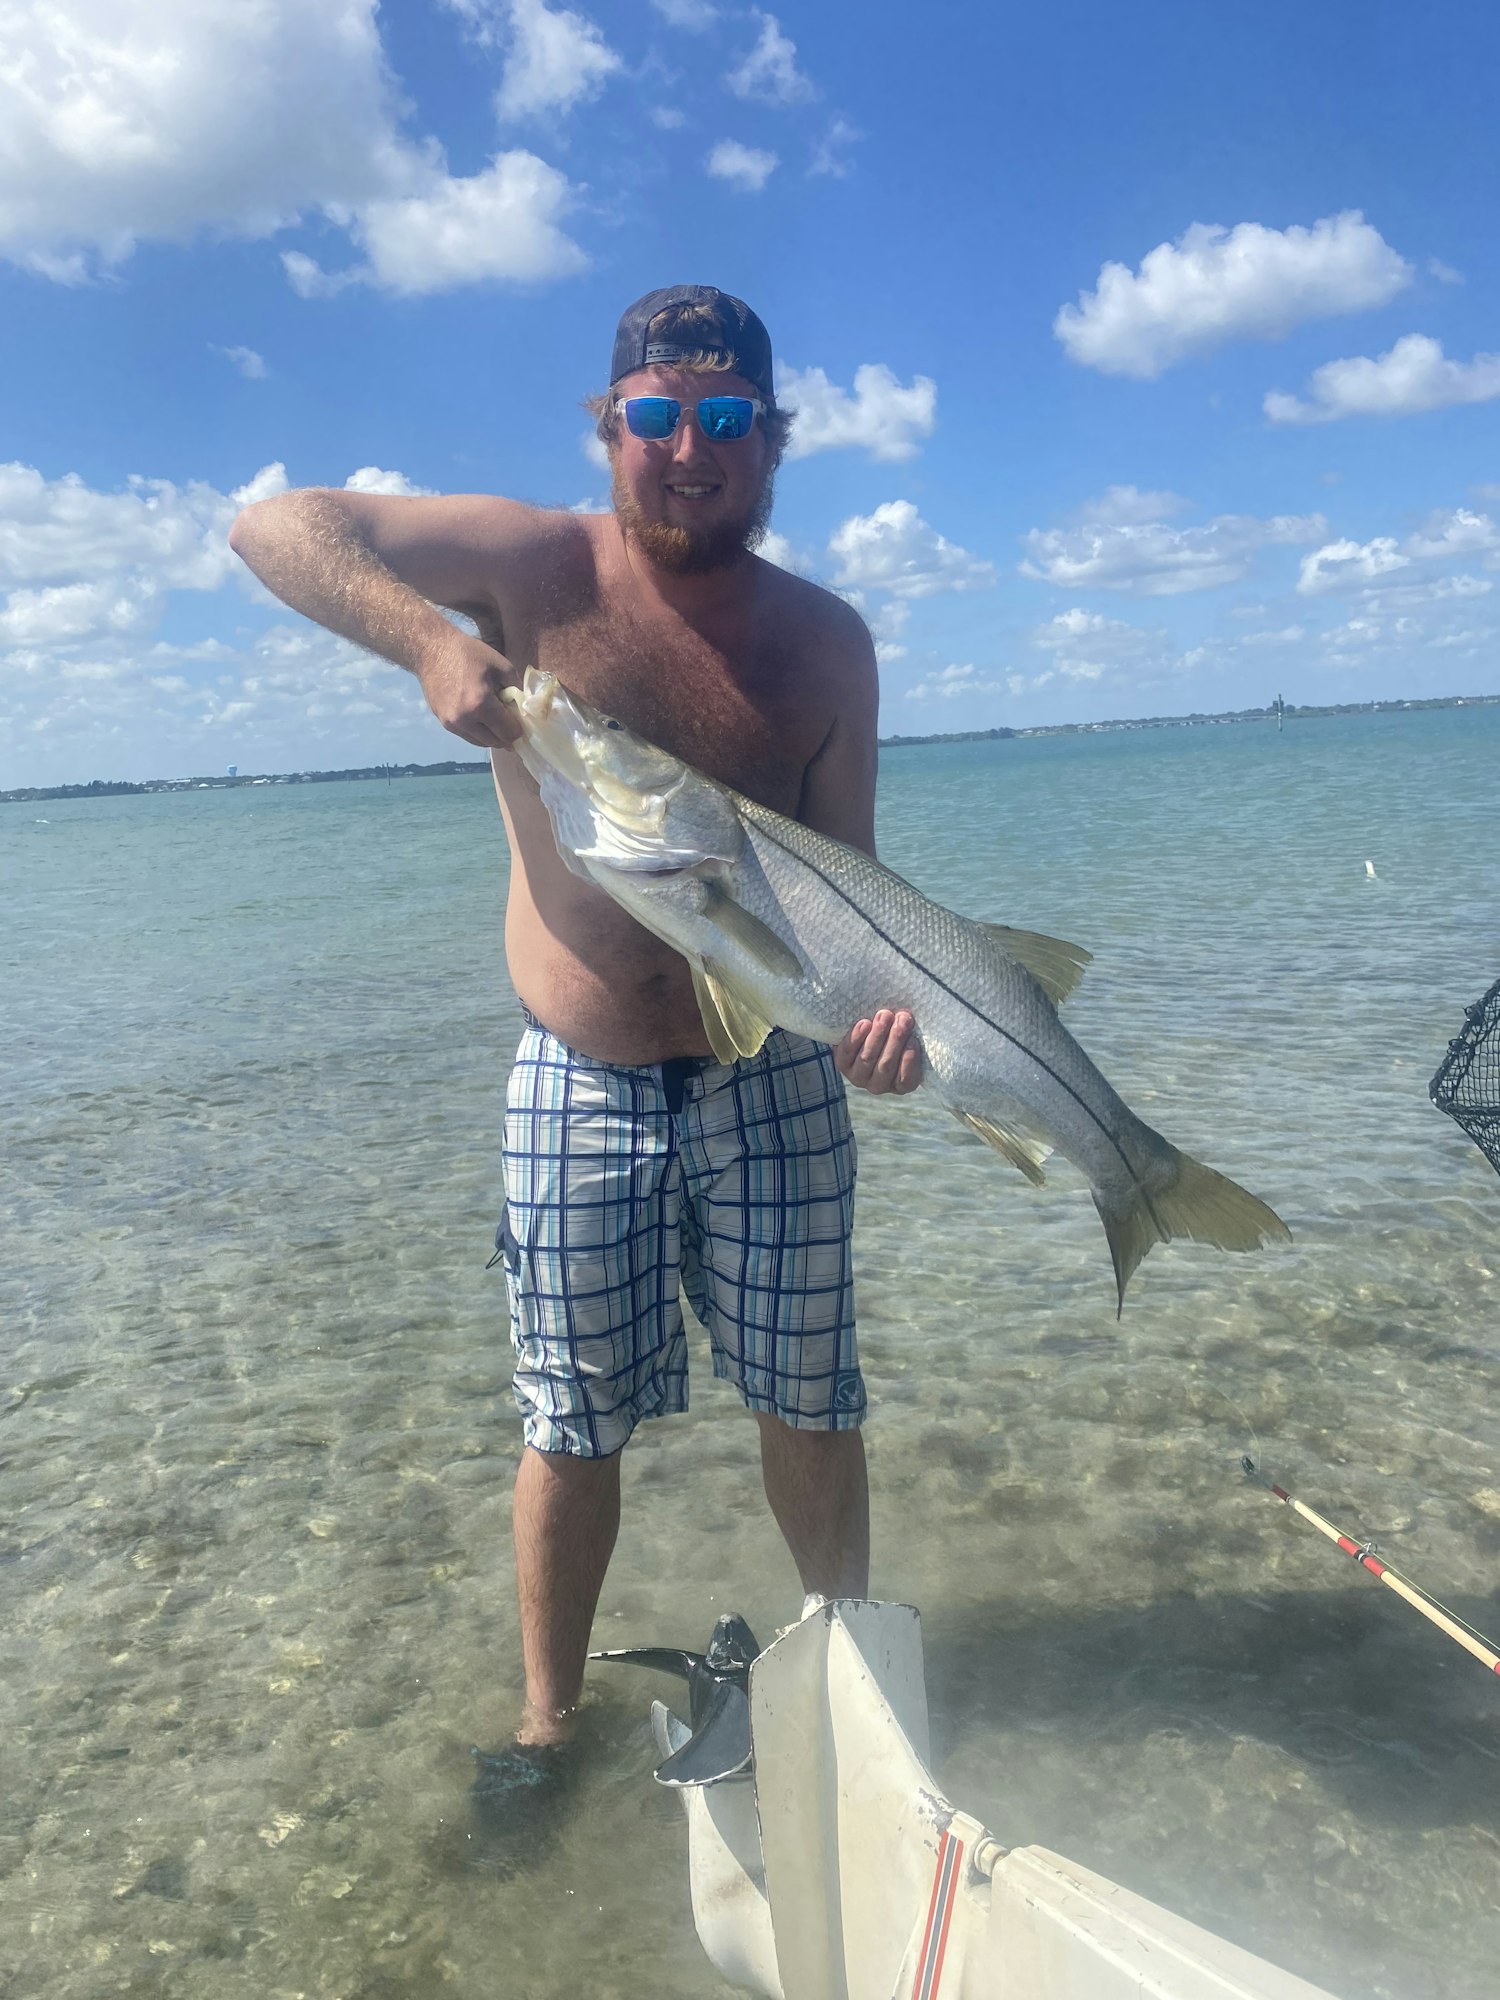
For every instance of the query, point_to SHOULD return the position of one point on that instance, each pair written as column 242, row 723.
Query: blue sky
column 1148, row 359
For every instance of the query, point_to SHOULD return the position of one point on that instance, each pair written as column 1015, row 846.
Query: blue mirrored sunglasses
column 719, row 417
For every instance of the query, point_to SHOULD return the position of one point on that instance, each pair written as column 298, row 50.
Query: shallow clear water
column 256, row 1441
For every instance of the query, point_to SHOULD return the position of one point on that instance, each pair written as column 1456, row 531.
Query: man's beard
column 692, row 551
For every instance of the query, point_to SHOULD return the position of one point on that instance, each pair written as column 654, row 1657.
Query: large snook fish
column 783, row 927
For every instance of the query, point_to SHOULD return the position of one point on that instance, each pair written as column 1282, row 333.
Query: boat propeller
column 718, row 1701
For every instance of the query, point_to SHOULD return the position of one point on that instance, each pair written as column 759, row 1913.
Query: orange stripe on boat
column 939, row 1917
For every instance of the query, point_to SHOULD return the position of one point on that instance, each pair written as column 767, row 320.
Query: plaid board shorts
column 735, row 1179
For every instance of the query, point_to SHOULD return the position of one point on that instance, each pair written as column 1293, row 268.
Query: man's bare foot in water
column 546, row 1727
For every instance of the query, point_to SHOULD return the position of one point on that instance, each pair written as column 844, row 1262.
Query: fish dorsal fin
column 732, row 1020
column 1053, row 963
column 1021, row 1148
column 756, row 939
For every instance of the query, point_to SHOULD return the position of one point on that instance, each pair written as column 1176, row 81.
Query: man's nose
column 688, row 439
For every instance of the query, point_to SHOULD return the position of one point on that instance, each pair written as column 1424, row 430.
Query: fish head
column 617, row 801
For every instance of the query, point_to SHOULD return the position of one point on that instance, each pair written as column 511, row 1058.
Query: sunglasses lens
column 726, row 416
column 652, row 416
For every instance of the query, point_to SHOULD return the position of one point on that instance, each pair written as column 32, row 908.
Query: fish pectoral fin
column 1053, row 963
column 733, row 1022
column 755, row 938
column 1022, row 1149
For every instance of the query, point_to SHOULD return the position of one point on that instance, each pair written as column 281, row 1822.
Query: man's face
column 688, row 503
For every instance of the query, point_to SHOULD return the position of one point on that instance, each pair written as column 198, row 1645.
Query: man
column 630, row 1154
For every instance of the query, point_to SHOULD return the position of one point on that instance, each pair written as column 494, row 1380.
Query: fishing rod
column 1364, row 1553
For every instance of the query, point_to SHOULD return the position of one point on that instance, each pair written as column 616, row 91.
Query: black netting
column 1467, row 1085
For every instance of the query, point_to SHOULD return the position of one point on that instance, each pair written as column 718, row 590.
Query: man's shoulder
column 818, row 612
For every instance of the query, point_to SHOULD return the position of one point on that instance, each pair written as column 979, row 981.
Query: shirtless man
column 632, row 1157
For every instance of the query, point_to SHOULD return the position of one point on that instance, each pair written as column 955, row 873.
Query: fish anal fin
column 732, row 1020
column 756, row 939
column 1020, row 1148
column 1053, row 963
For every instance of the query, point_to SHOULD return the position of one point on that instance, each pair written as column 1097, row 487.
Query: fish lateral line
column 953, row 994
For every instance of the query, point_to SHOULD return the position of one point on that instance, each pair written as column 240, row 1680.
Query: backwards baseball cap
column 735, row 331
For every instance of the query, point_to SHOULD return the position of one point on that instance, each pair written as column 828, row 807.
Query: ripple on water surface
column 256, row 1441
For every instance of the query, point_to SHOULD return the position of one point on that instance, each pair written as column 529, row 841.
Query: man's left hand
column 881, row 1055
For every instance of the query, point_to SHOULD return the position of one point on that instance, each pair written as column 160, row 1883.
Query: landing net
column 1467, row 1085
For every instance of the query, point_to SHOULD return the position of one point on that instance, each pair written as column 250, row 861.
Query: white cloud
column 831, row 153
column 894, row 549
column 1436, row 590
column 1445, row 537
column 86, row 575
column 1444, row 273
column 666, row 117
column 770, row 71
column 1343, row 562
column 370, row 479
column 775, row 548
column 1287, row 636
column 501, row 224
column 1461, row 533
column 1215, row 285
column 1129, row 507
column 746, row 167
column 60, row 531
column 950, row 682
column 555, row 59
column 289, row 700
column 1114, row 545
column 129, row 119
column 1069, row 627
column 694, row 15
column 158, row 120
column 594, row 449
column 881, row 417
column 1083, row 646
column 887, row 626
column 1413, row 377
column 66, row 612
column 249, row 364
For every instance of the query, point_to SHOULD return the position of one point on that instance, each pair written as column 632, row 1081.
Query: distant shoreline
column 1301, row 712
column 101, row 788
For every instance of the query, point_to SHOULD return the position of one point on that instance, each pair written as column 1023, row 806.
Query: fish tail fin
column 1189, row 1200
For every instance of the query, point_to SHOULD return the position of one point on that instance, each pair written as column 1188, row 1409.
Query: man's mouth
column 690, row 489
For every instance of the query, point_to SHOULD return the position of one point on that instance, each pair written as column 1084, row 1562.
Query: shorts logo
column 846, row 1393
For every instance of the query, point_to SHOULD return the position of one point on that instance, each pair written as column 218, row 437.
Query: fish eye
column 610, row 723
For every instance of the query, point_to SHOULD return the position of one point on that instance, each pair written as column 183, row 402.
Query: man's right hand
column 462, row 680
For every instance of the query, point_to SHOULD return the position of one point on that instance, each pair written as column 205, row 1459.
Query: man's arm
column 838, row 798
column 373, row 568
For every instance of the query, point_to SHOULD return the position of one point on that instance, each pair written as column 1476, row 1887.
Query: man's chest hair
column 753, row 720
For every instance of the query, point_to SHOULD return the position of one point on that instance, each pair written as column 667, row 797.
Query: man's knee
column 803, row 1445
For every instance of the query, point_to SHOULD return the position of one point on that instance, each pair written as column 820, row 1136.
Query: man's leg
column 815, row 1482
column 566, row 1517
